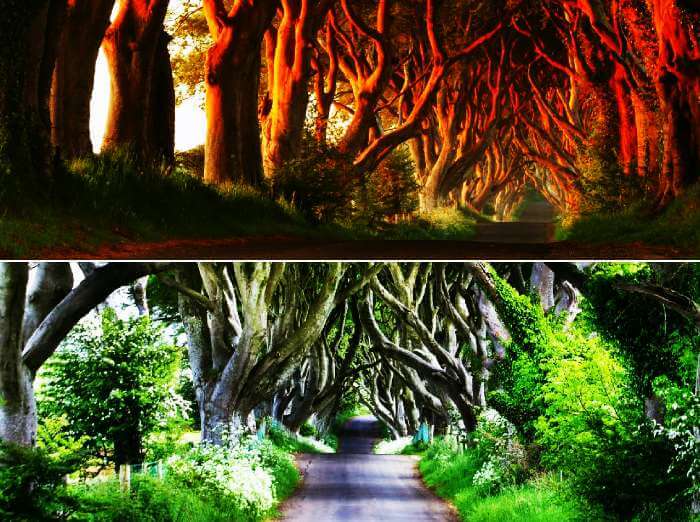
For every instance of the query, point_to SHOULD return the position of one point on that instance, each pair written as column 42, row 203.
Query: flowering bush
column 500, row 452
column 234, row 470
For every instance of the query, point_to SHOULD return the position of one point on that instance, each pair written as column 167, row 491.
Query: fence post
column 125, row 477
column 160, row 469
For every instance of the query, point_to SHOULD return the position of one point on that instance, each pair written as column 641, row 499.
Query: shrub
column 501, row 454
column 234, row 472
column 32, row 483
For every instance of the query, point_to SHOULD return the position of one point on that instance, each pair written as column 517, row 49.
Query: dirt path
column 355, row 485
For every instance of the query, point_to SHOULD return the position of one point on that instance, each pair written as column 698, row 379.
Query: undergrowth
column 678, row 225
column 451, row 471
column 106, row 199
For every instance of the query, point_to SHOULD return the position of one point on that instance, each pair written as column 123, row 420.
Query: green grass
column 105, row 200
column 291, row 443
column 443, row 223
column 450, row 471
column 678, row 225
column 151, row 500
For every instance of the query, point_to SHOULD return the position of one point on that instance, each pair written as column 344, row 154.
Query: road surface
column 534, row 226
column 354, row 485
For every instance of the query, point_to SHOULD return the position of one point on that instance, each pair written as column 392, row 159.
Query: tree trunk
column 29, row 33
column 85, row 26
column 233, row 151
column 128, row 450
column 131, row 45
column 161, row 115
column 290, row 96
column 18, row 421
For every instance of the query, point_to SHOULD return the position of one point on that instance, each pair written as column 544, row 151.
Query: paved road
column 534, row 226
column 354, row 485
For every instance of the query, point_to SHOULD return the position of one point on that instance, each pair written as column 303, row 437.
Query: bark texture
column 73, row 78
column 136, row 49
column 233, row 151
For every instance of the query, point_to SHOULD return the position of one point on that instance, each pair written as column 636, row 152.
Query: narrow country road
column 355, row 485
column 534, row 226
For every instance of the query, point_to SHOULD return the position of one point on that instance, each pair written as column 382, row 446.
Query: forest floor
column 355, row 484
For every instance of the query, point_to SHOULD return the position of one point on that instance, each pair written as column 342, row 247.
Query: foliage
column 677, row 225
column 595, row 433
column 451, row 473
column 501, row 454
column 234, row 472
column 325, row 185
column 32, row 483
column 517, row 379
column 320, row 181
column 113, row 384
column 151, row 500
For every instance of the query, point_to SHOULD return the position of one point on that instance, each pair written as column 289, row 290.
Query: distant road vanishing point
column 355, row 485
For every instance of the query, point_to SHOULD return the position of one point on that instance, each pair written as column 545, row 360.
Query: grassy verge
column 393, row 446
column 450, row 473
column 298, row 443
column 105, row 200
column 678, row 225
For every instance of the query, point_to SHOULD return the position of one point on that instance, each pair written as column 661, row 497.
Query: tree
column 142, row 103
column 37, row 314
column 249, row 326
column 73, row 77
column 112, row 382
column 232, row 152
column 29, row 33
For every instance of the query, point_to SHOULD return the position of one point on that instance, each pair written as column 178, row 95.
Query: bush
column 232, row 472
column 451, row 472
column 502, row 456
column 325, row 186
column 32, row 483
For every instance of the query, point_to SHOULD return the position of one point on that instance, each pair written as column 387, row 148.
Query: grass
column 442, row 223
column 450, row 472
column 392, row 446
column 678, row 225
column 292, row 443
column 105, row 199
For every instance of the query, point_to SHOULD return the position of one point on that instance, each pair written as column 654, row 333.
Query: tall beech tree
column 288, row 75
column 39, row 307
column 85, row 25
column 232, row 151
column 442, row 334
column 29, row 35
column 249, row 326
column 135, row 45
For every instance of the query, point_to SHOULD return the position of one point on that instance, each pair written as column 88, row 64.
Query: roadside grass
column 443, row 223
column 678, row 225
column 289, row 442
column 450, row 473
column 392, row 446
column 105, row 199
